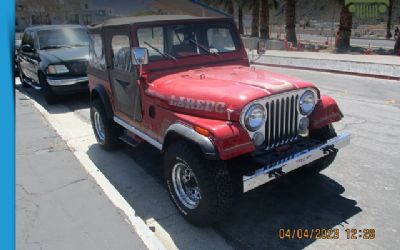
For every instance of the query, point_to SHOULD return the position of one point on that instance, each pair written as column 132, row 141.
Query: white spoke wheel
column 99, row 126
column 185, row 185
column 201, row 189
column 106, row 131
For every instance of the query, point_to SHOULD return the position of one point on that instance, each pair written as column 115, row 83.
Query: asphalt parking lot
column 360, row 190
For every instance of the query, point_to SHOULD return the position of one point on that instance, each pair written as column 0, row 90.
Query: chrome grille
column 281, row 125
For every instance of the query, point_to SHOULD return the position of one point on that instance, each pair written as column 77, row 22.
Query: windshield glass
column 189, row 39
column 66, row 37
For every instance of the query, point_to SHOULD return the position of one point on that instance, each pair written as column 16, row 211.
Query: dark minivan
column 53, row 59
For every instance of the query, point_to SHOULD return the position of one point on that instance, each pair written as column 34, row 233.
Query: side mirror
column 261, row 47
column 27, row 48
column 140, row 56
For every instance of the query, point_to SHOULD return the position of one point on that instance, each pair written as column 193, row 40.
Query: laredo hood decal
column 190, row 103
column 209, row 92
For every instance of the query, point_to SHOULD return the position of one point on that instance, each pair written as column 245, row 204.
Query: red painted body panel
column 209, row 91
column 326, row 112
column 93, row 81
column 230, row 139
column 198, row 91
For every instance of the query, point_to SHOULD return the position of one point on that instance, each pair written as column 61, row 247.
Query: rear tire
column 106, row 131
column 322, row 134
column 201, row 189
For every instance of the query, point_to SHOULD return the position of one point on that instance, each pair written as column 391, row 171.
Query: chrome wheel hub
column 185, row 185
column 98, row 125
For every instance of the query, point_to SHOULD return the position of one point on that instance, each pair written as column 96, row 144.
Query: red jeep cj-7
column 184, row 85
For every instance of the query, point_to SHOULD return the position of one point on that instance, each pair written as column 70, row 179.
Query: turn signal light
column 202, row 131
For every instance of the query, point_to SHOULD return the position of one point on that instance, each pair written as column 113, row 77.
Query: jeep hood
column 209, row 92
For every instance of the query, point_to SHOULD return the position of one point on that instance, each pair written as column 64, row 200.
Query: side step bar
column 297, row 160
column 137, row 132
column 129, row 140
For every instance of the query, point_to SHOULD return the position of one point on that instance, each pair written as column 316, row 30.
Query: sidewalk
column 368, row 65
column 58, row 205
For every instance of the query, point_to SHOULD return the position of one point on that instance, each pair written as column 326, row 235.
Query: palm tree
column 291, row 21
column 240, row 16
column 227, row 5
column 389, row 21
column 240, row 4
column 345, row 24
column 255, row 14
column 264, row 17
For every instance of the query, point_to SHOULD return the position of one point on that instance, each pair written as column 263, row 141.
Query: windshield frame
column 211, row 23
column 40, row 47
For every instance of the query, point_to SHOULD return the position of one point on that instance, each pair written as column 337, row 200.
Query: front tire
column 322, row 134
column 22, row 78
column 106, row 131
column 201, row 190
column 49, row 96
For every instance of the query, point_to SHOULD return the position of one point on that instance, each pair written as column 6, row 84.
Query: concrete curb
column 140, row 227
column 383, row 71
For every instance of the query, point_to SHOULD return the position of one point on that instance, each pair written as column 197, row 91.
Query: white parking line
column 79, row 138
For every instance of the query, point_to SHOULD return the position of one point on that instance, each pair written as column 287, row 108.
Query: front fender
column 326, row 112
column 228, row 139
column 202, row 141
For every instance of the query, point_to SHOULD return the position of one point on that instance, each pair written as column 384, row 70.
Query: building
column 35, row 12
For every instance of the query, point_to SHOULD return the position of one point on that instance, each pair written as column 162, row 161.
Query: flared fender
column 326, row 112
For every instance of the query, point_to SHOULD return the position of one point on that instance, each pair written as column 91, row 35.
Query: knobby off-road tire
column 211, row 178
column 106, row 131
column 49, row 96
column 323, row 134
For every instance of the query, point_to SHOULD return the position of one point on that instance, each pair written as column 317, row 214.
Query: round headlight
column 254, row 117
column 307, row 102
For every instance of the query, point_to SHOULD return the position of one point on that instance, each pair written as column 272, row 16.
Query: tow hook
column 329, row 149
column 277, row 173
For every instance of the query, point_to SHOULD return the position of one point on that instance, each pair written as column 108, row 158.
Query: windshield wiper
column 203, row 47
column 159, row 52
column 55, row 46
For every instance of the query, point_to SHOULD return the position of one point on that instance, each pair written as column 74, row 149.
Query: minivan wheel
column 106, row 131
column 201, row 190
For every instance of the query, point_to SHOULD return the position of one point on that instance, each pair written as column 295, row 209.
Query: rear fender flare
column 100, row 92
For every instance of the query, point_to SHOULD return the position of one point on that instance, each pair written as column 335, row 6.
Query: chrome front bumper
column 297, row 160
column 66, row 81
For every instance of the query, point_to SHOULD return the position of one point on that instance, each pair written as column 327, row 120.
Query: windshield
column 191, row 39
column 66, row 37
